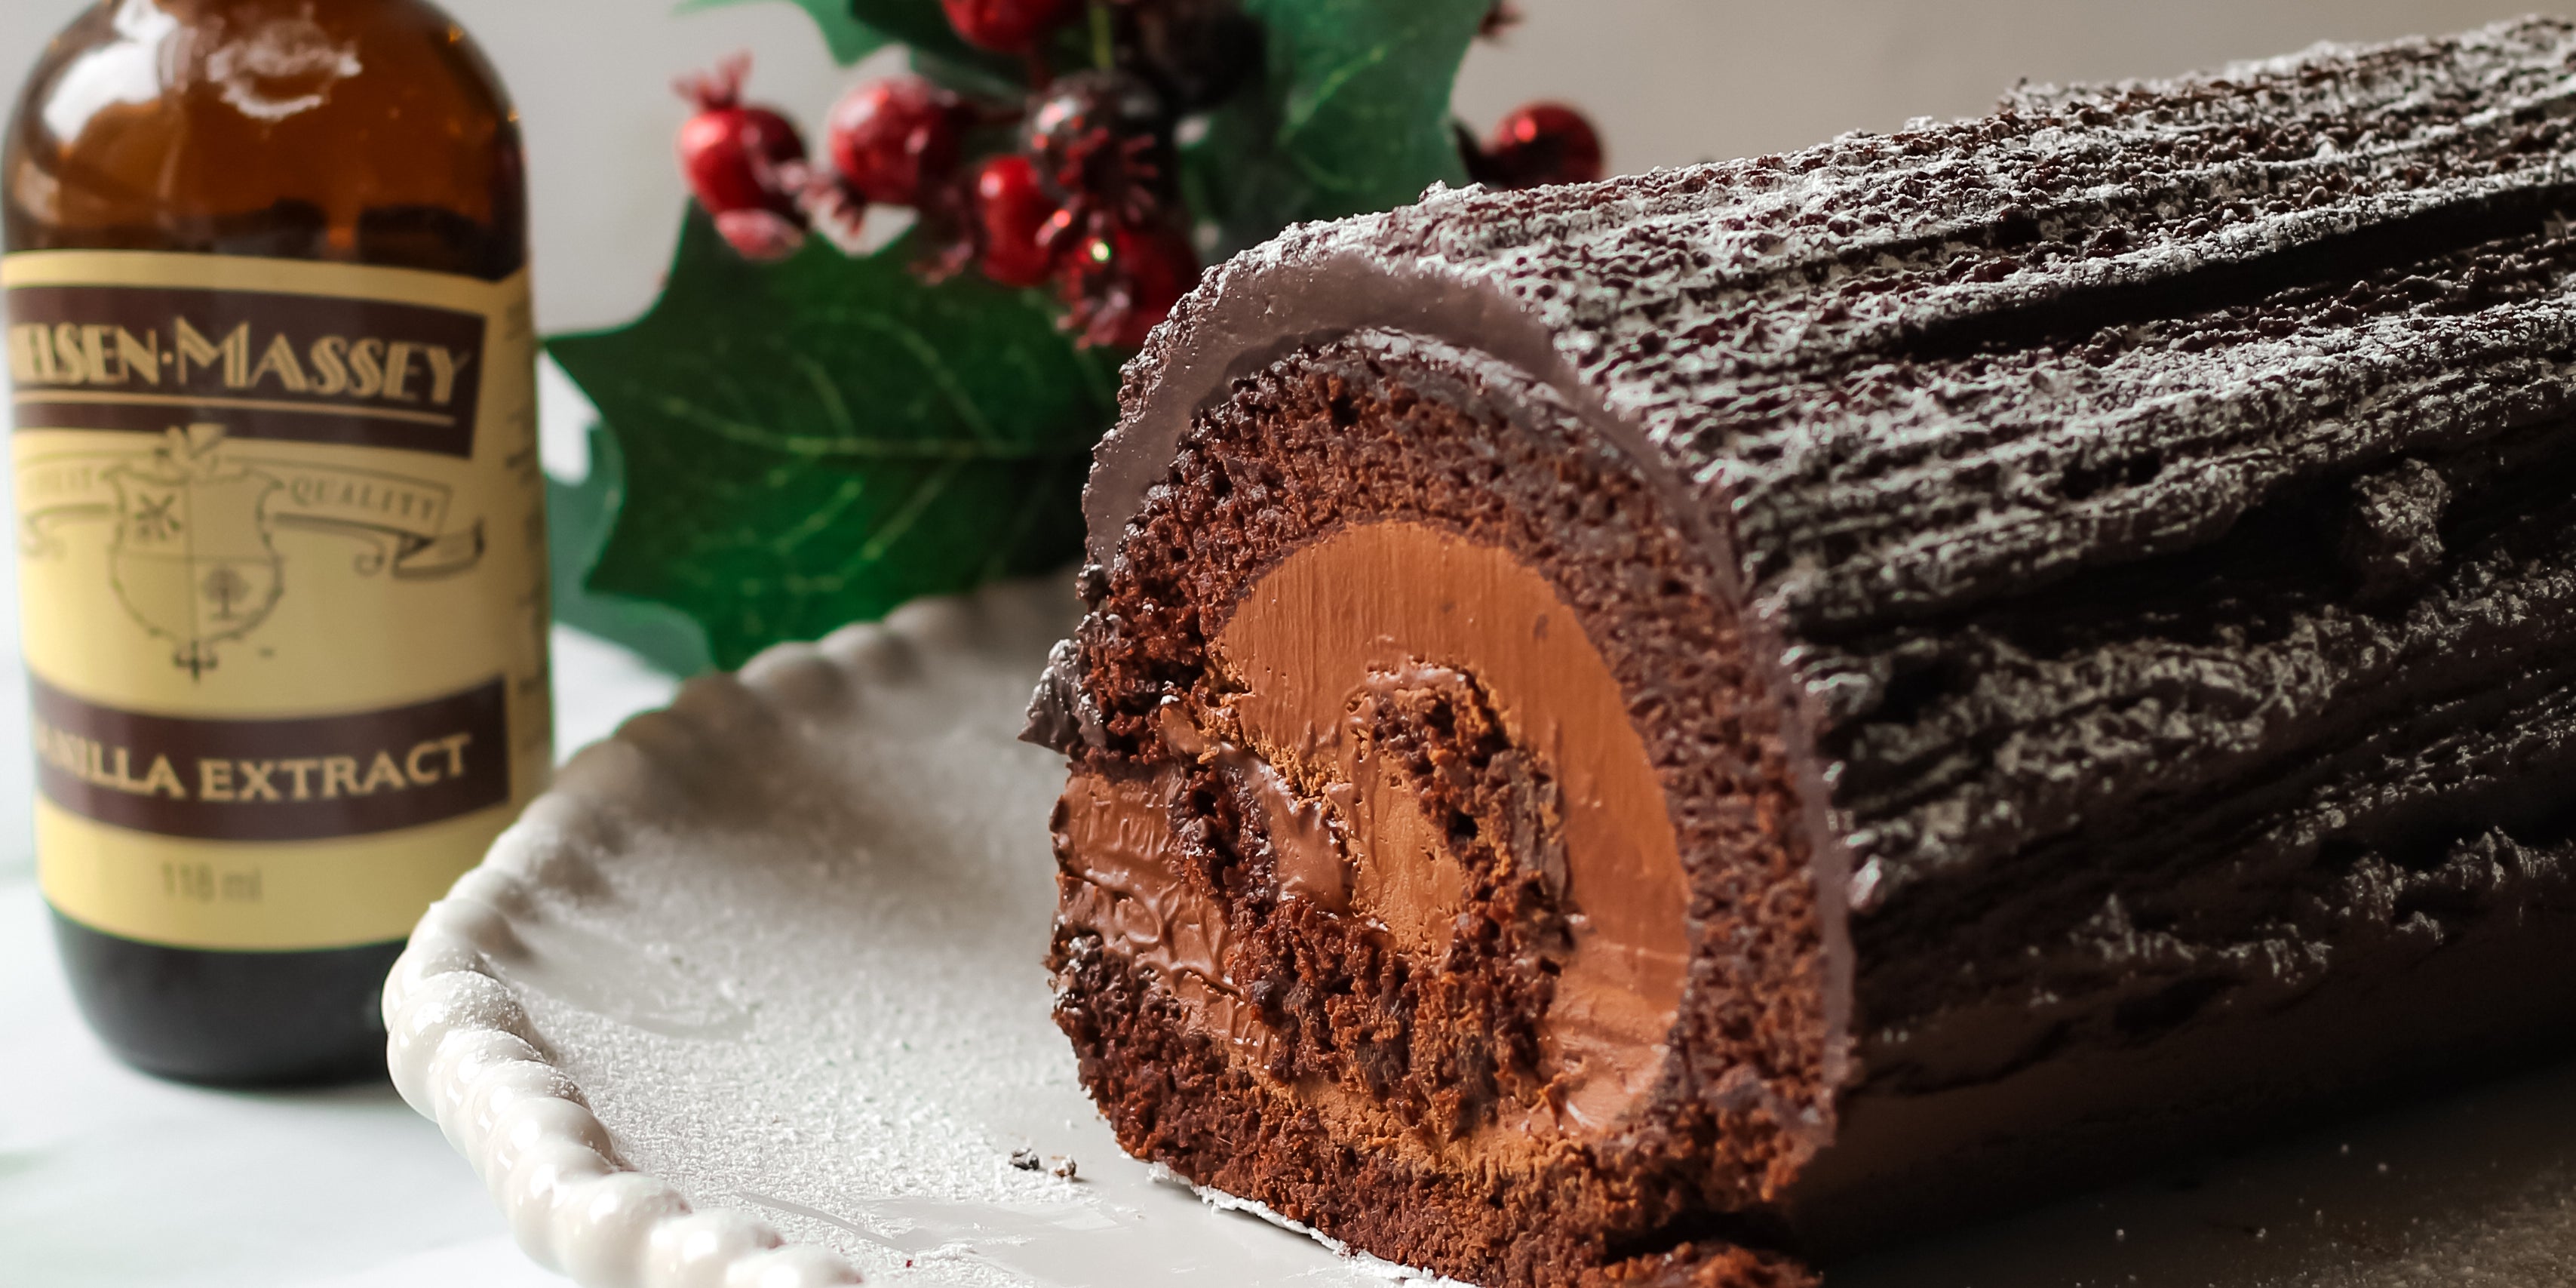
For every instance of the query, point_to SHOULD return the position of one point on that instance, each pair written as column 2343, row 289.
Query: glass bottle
column 279, row 513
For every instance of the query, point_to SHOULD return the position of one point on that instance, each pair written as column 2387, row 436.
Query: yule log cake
column 1657, row 731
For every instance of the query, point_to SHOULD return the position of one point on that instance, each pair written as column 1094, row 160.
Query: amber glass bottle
column 280, row 521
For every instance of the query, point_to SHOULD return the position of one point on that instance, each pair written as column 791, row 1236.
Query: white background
column 108, row 1179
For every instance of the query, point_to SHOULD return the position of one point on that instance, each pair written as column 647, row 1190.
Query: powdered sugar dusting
column 2027, row 448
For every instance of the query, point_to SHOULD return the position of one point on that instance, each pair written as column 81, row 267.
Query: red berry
column 1161, row 268
column 1011, row 212
column 1122, row 284
column 892, row 139
column 1008, row 26
column 739, row 158
column 1098, row 137
column 1544, row 143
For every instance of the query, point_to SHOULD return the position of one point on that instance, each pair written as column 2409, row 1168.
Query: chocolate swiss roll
column 1660, row 731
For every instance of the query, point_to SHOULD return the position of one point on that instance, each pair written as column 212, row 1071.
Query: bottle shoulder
column 363, row 130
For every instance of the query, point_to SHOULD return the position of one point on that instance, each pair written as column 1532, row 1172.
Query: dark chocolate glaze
column 2154, row 509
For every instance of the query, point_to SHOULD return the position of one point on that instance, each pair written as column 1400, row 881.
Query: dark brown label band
column 273, row 780
column 303, row 368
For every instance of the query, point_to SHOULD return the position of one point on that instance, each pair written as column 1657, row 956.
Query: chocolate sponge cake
column 1661, row 731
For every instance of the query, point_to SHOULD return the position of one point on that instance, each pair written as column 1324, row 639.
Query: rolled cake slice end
column 1374, row 900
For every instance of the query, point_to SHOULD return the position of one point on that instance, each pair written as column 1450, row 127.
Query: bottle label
column 282, row 574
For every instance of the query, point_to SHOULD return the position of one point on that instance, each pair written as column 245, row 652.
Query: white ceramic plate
column 753, row 999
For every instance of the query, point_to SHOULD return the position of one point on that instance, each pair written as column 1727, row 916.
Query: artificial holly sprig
column 1088, row 197
column 816, row 428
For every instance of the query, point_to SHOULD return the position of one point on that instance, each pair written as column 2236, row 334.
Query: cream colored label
column 281, row 539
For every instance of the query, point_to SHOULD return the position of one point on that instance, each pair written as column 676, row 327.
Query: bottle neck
column 366, row 131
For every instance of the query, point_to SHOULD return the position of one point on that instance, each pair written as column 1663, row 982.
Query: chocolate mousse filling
column 1348, row 663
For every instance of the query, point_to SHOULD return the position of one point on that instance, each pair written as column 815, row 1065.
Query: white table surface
column 109, row 1179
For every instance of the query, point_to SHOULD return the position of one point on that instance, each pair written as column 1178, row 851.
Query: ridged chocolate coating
column 2156, row 509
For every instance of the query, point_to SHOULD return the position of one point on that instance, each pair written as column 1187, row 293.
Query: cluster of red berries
column 1083, row 197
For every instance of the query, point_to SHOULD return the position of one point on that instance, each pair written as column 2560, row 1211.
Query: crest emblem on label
column 193, row 561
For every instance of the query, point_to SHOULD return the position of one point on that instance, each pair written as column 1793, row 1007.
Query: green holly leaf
column 1353, row 115
column 818, row 441
column 579, row 517
column 848, row 38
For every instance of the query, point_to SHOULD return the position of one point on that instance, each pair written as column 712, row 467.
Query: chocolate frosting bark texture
column 2118, row 555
